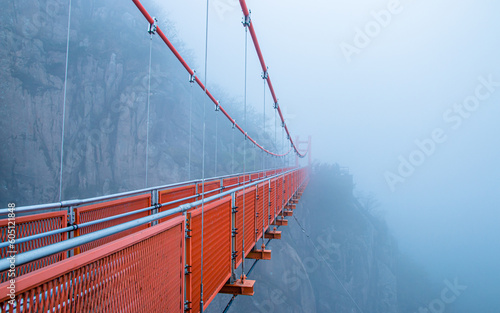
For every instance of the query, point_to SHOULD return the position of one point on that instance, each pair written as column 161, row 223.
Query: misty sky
column 383, row 87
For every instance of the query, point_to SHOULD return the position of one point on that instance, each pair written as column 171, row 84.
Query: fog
column 406, row 94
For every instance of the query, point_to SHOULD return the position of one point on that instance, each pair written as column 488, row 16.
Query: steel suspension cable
column 203, row 158
column 216, row 140
column 64, row 103
column 246, row 23
column 191, row 81
column 198, row 81
column 275, row 163
column 246, row 12
column 328, row 265
column 148, row 103
column 232, row 153
column 283, row 159
column 230, row 303
column 263, row 160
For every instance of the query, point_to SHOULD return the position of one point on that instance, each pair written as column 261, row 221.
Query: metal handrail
column 71, row 243
column 78, row 202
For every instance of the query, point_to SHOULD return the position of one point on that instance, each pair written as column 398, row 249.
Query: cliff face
column 106, row 104
column 333, row 257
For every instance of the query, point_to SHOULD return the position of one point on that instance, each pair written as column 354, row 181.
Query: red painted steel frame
column 143, row 272
column 173, row 194
column 26, row 226
column 110, row 208
column 209, row 186
column 217, row 251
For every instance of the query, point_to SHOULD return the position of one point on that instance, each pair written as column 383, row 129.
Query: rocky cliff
column 333, row 257
column 105, row 137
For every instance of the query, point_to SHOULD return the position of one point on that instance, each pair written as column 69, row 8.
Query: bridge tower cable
column 151, row 31
column 216, row 138
column 203, row 157
column 64, row 103
column 264, row 68
column 191, row 81
column 232, row 150
column 202, row 86
column 264, row 216
column 246, row 23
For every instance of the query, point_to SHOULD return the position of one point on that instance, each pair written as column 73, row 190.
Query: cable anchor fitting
column 152, row 27
column 265, row 75
column 192, row 77
column 247, row 19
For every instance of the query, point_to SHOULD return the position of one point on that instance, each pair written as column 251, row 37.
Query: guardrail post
column 187, row 266
column 71, row 234
column 234, row 231
column 154, row 202
column 256, row 213
column 270, row 202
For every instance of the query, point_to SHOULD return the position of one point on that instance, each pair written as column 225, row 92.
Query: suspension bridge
column 169, row 248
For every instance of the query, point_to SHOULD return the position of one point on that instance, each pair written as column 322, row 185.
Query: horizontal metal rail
column 77, row 226
column 110, row 218
column 78, row 202
column 58, row 247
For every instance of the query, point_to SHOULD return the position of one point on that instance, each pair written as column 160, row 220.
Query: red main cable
column 198, row 81
column 246, row 12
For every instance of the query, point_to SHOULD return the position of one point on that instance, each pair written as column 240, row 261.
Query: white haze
column 366, row 113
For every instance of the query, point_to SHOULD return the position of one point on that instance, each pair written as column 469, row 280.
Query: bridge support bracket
column 274, row 234
column 259, row 254
column 239, row 288
column 287, row 212
column 290, row 206
column 280, row 222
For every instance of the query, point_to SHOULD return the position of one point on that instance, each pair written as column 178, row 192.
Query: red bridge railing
column 156, row 264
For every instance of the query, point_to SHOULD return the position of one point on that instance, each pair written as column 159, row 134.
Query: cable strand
column 64, row 103
column 328, row 265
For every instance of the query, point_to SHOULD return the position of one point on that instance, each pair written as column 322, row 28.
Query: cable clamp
column 275, row 106
column 192, row 77
column 265, row 75
column 71, row 218
column 186, row 306
column 234, row 124
column 282, row 124
column 152, row 27
column 247, row 20
column 217, row 106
